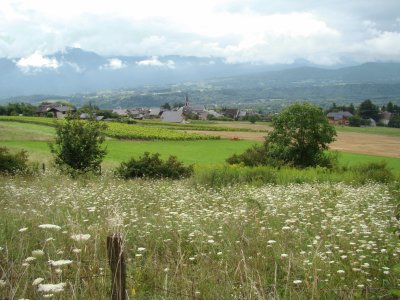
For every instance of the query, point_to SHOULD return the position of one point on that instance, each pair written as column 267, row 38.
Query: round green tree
column 301, row 134
column 78, row 145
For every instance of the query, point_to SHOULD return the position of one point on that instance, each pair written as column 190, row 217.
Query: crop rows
column 124, row 131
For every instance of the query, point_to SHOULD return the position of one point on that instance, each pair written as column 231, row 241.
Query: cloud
column 252, row 31
column 36, row 62
column 114, row 64
column 155, row 62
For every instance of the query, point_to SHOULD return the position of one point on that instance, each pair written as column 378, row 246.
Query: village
column 367, row 114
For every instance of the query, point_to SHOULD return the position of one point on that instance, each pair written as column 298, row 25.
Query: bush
column 77, row 146
column 254, row 156
column 151, row 166
column 13, row 163
column 377, row 172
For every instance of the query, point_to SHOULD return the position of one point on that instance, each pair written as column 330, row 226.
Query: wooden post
column 43, row 167
column 117, row 265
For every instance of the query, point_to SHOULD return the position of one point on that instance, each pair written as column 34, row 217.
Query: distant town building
column 173, row 116
column 339, row 118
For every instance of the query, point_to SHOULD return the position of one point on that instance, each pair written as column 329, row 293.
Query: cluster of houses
column 343, row 118
column 176, row 115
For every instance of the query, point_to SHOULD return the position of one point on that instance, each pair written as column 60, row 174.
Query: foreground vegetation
column 301, row 241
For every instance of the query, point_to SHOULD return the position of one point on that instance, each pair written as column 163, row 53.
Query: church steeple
column 187, row 100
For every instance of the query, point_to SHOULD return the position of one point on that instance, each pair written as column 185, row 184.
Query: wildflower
column 191, row 258
column 284, row 255
column 219, row 253
column 37, row 281
column 30, row 258
column 23, row 229
column 210, row 241
column 271, row 242
column 77, row 250
column 37, row 253
column 340, row 271
column 49, row 226
column 53, row 288
column 80, row 237
column 2, row 283
column 297, row 281
column 360, row 286
column 141, row 249
column 61, row 262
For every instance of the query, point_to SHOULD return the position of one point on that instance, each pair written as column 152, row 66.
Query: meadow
column 283, row 234
column 297, row 241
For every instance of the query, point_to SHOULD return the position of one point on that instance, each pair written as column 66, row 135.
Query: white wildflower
column 297, row 281
column 80, row 237
column 37, row 253
column 50, row 226
column 141, row 249
column 52, row 288
column 2, row 283
column 61, row 262
column 23, row 229
column 37, row 281
column 271, row 242
column 30, row 258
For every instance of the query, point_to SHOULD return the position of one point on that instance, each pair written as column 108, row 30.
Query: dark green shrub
column 254, row 156
column 78, row 146
column 377, row 172
column 152, row 166
column 13, row 163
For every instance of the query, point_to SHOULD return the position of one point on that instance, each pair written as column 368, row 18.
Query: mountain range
column 77, row 73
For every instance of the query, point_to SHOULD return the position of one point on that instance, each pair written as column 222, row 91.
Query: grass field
column 34, row 138
column 309, row 234
column 301, row 241
column 370, row 130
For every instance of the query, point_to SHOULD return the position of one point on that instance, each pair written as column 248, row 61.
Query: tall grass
column 299, row 241
column 222, row 175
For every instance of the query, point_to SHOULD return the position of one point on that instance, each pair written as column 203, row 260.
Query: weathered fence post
column 118, row 268
column 43, row 168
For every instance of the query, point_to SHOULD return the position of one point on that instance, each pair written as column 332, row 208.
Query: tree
column 300, row 136
column 78, row 145
column 166, row 106
column 368, row 110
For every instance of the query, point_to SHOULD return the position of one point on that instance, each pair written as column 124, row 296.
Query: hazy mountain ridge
column 149, row 81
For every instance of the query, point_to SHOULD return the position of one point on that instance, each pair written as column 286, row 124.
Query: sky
column 325, row 32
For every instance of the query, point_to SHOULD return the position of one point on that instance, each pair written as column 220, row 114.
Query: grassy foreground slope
column 301, row 241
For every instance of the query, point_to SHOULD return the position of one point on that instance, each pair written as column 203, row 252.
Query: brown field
column 372, row 144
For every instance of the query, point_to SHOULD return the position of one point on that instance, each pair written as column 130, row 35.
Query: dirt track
column 372, row 144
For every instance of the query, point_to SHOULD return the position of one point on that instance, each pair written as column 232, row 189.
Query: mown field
column 34, row 138
column 285, row 234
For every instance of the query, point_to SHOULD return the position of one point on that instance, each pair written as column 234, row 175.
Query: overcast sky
column 260, row 31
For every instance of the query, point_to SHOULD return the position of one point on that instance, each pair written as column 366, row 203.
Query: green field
column 370, row 130
column 35, row 138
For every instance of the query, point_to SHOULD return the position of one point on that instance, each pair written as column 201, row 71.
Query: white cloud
column 155, row 62
column 238, row 30
column 37, row 61
column 114, row 64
